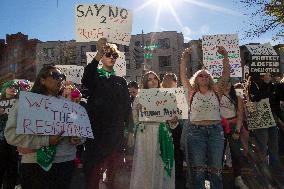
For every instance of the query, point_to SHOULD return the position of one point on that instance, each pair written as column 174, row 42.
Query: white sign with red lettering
column 95, row 21
column 47, row 115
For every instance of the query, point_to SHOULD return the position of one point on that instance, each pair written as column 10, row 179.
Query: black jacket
column 273, row 91
column 108, row 102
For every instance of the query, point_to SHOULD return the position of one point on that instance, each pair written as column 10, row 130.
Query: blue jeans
column 206, row 145
column 267, row 143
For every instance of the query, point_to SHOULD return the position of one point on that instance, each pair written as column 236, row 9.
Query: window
column 162, row 77
column 126, row 48
column 127, row 63
column 137, row 43
column 15, row 53
column 83, row 51
column 164, row 43
column 13, row 67
column 48, row 52
column 93, row 48
column 138, row 65
column 165, row 61
column 138, row 79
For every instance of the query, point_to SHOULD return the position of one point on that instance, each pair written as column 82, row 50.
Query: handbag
column 258, row 114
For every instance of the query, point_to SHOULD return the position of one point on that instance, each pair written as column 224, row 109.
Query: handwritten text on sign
column 213, row 61
column 7, row 105
column 46, row 115
column 94, row 21
column 119, row 66
column 163, row 104
column 73, row 73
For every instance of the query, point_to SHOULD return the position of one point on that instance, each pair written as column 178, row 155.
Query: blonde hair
column 167, row 79
column 195, row 85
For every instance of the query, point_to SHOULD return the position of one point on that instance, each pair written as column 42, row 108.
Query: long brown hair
column 38, row 87
column 146, row 77
column 167, row 79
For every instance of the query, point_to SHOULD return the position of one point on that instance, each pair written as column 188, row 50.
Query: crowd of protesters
column 196, row 148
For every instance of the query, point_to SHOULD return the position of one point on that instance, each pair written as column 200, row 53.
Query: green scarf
column 103, row 73
column 45, row 156
column 166, row 147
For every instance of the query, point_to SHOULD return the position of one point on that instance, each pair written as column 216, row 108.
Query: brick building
column 18, row 56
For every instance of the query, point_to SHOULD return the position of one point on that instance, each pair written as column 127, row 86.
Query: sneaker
column 240, row 183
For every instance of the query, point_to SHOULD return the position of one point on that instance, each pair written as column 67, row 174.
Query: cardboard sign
column 163, row 104
column 48, row 115
column 263, row 59
column 73, row 73
column 7, row 105
column 259, row 115
column 213, row 61
column 94, row 21
column 119, row 66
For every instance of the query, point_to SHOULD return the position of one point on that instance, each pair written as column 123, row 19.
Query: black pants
column 8, row 165
column 103, row 153
column 178, row 155
column 58, row 177
column 235, row 150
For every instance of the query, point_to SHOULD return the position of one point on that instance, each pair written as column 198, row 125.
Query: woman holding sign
column 206, row 136
column 149, row 169
column 47, row 161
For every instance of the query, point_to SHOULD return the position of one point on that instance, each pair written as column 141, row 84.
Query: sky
column 52, row 20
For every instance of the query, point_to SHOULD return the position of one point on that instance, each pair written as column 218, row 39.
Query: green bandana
column 166, row 147
column 103, row 73
column 45, row 156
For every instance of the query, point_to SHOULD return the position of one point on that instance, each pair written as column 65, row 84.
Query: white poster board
column 94, row 21
column 259, row 115
column 119, row 66
column 213, row 61
column 73, row 73
column 163, row 104
column 7, row 105
column 48, row 115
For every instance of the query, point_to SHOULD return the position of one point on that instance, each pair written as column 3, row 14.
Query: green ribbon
column 45, row 156
column 166, row 147
column 103, row 73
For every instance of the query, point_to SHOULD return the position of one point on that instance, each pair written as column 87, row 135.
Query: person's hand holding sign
column 75, row 140
column 53, row 140
column 100, row 46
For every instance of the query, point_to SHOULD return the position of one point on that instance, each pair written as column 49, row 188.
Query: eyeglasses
column 111, row 54
column 57, row 76
column 203, row 75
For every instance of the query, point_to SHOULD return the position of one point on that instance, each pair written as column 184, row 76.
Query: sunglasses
column 58, row 76
column 111, row 54
column 203, row 75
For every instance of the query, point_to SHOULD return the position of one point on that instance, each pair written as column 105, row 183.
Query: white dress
column 148, row 169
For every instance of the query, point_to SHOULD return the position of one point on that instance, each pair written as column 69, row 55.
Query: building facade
column 156, row 51
column 18, row 56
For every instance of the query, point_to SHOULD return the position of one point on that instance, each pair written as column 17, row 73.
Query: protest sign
column 263, row 59
column 94, row 21
column 7, row 105
column 213, row 61
column 163, row 104
column 119, row 66
column 73, row 73
column 259, row 115
column 48, row 115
